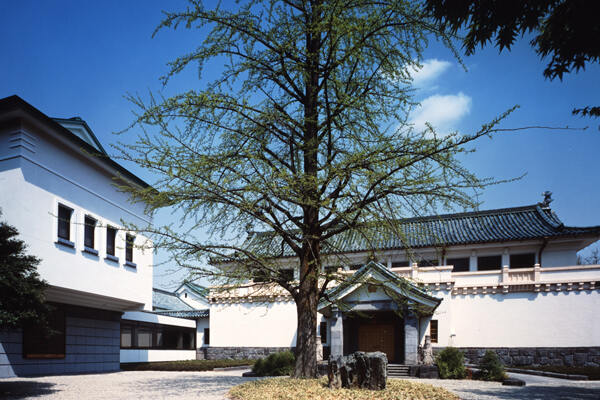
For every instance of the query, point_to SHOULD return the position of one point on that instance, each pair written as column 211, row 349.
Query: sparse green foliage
column 304, row 133
column 276, row 364
column 491, row 368
column 451, row 363
column 21, row 289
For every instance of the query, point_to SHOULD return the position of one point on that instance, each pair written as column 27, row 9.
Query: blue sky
column 71, row 58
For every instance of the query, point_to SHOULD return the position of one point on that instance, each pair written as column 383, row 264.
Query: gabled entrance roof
column 394, row 285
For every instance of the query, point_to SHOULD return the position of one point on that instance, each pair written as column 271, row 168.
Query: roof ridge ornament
column 547, row 199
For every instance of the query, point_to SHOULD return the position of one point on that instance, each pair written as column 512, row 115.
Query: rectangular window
column 111, row 235
column 400, row 264
column 206, row 336
column 126, row 336
column 287, row 274
column 331, row 269
column 428, row 263
column 323, row 331
column 259, row 275
column 64, row 222
column 90, row 227
column 129, row 239
column 433, row 331
column 143, row 335
column 355, row 267
column 522, row 260
column 46, row 343
column 460, row 264
column 489, row 263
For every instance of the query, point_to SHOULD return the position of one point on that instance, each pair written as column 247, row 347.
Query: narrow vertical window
column 129, row 239
column 433, row 330
column 111, row 235
column 323, row 331
column 64, row 222
column 206, row 336
column 89, row 234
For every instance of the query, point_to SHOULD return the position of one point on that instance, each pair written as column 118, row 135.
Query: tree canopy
column 304, row 133
column 566, row 31
column 21, row 289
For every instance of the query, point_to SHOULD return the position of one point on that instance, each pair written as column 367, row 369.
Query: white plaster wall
column 554, row 319
column 253, row 324
column 34, row 182
column 201, row 324
column 559, row 258
column 130, row 356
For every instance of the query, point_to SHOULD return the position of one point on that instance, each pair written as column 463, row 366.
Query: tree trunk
column 306, row 308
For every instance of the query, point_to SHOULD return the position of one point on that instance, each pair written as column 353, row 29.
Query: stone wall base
column 237, row 353
column 536, row 356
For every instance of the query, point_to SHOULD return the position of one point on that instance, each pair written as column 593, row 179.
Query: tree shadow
column 25, row 389
column 200, row 385
column 534, row 392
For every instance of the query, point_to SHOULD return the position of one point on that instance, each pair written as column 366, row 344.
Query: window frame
column 449, row 261
column 129, row 247
column 58, row 323
column 156, row 330
column 494, row 268
column 434, row 331
column 86, row 248
column 60, row 237
column 112, row 256
column 528, row 254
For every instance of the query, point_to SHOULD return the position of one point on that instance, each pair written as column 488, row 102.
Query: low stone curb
column 240, row 368
column 549, row 374
column 558, row 375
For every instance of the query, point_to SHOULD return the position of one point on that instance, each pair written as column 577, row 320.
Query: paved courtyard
column 215, row 384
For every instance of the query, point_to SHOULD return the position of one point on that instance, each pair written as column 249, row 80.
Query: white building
column 63, row 200
column 502, row 279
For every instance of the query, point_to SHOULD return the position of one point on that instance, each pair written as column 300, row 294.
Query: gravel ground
column 213, row 385
column 537, row 388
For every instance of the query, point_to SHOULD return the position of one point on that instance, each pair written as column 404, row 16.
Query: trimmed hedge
column 451, row 363
column 490, row 367
column 276, row 364
column 190, row 365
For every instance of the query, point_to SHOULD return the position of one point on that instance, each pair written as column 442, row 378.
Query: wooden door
column 377, row 337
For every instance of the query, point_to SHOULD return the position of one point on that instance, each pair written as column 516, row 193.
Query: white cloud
column 431, row 70
column 441, row 111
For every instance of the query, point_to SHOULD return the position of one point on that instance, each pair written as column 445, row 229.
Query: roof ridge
column 154, row 289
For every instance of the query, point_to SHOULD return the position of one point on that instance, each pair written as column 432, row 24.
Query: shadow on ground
column 533, row 392
column 199, row 385
column 22, row 389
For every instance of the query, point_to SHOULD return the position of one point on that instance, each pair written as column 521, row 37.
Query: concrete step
column 398, row 370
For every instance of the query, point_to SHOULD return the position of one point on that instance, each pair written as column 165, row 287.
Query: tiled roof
column 185, row 314
column 167, row 301
column 198, row 289
column 500, row 225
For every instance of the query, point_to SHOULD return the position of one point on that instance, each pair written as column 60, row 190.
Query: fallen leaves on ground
column 316, row 389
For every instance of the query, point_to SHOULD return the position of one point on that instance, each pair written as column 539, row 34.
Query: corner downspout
column 544, row 243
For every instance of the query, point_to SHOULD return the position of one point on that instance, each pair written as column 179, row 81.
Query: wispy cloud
column 431, row 70
column 441, row 111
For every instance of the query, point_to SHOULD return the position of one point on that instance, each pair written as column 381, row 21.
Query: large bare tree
column 302, row 132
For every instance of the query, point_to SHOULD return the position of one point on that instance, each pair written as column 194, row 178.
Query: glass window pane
column 125, row 336
column 488, row 263
column 522, row 260
column 110, row 240
column 90, row 226
column 460, row 264
column 64, row 222
column 144, row 337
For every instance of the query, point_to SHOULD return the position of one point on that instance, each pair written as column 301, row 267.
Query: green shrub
column 451, row 363
column 490, row 367
column 276, row 364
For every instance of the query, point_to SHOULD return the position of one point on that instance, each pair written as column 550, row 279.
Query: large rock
column 358, row 370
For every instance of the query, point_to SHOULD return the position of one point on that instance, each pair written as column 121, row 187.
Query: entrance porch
column 375, row 310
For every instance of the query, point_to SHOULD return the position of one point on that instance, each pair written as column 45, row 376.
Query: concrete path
column 213, row 385
column 537, row 388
